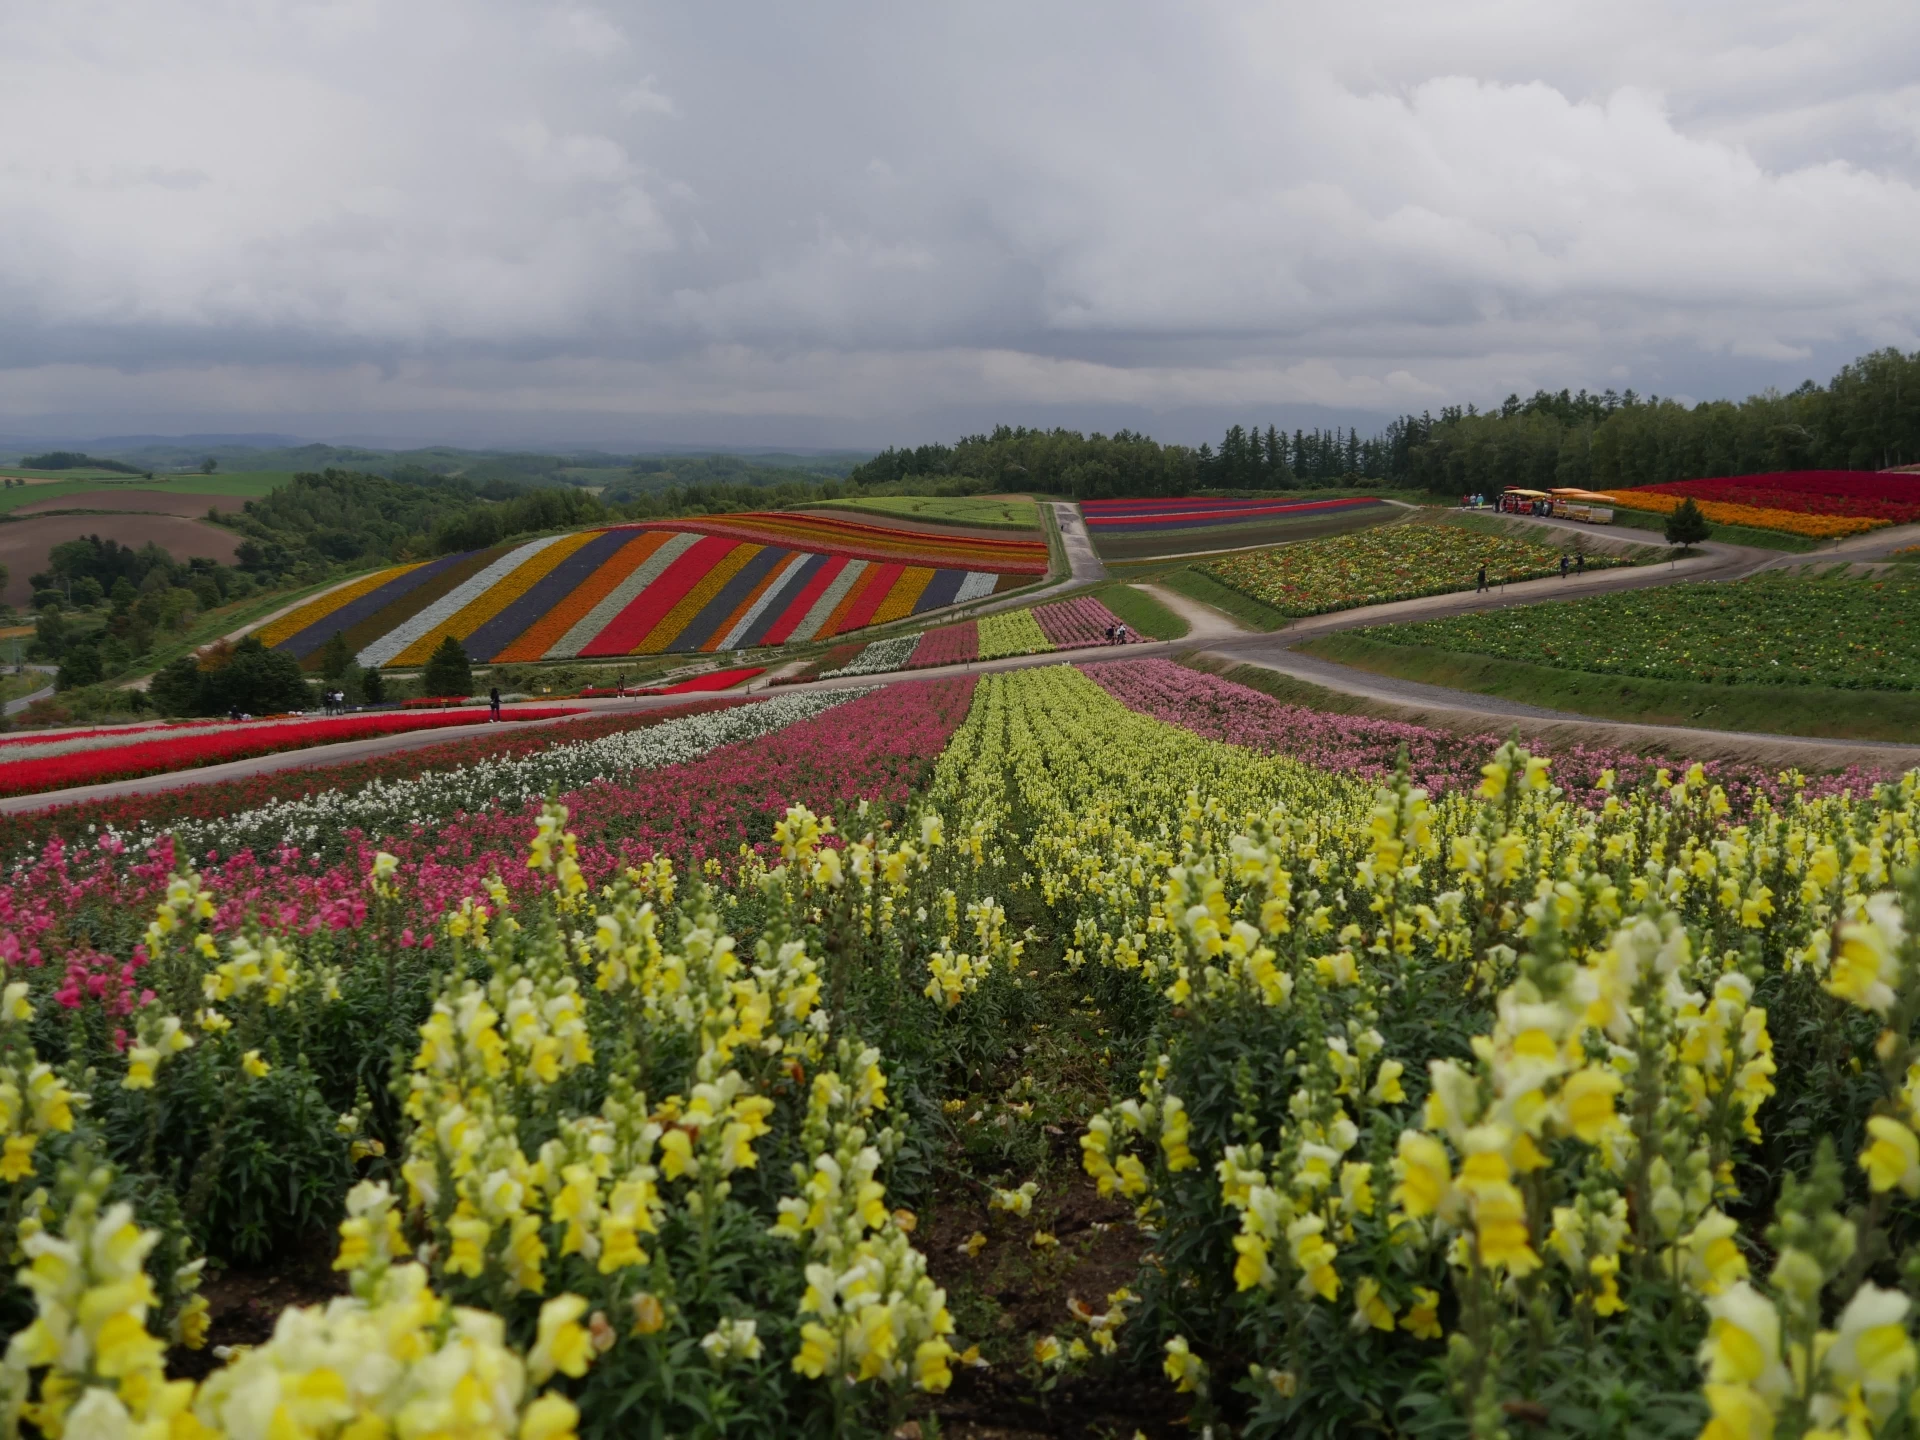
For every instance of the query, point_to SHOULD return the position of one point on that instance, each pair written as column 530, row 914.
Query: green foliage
column 484, row 525
column 1867, row 417
column 74, row 460
column 1772, row 629
column 252, row 680
column 448, row 671
column 336, row 657
column 80, row 666
column 1686, row 526
column 1063, row 462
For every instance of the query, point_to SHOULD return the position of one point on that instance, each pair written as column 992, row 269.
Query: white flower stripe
column 380, row 651
column 782, row 578
column 879, row 656
column 621, row 596
column 391, row 807
column 823, row 607
column 977, row 586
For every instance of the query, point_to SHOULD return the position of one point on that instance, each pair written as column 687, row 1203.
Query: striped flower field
column 714, row 583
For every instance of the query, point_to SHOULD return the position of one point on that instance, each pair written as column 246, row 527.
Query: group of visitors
column 1118, row 634
column 334, row 701
column 1576, row 565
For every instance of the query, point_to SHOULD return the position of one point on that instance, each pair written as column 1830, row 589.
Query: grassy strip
column 1729, row 534
column 1246, row 535
column 982, row 511
column 1208, row 591
column 1764, row 709
column 1141, row 611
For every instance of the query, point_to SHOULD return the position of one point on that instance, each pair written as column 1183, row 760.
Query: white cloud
column 473, row 205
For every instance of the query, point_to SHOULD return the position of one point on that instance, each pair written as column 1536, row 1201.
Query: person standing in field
column 1481, row 588
column 493, row 703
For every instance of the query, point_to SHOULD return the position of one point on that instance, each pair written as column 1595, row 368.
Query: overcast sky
column 482, row 221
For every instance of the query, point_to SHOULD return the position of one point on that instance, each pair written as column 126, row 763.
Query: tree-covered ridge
column 1059, row 462
column 1866, row 418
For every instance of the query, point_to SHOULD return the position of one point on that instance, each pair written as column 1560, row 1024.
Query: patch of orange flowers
column 1721, row 512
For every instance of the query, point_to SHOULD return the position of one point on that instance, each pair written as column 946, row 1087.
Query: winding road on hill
column 1217, row 636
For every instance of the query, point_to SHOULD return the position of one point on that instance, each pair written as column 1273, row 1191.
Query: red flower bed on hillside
column 1871, row 496
column 167, row 753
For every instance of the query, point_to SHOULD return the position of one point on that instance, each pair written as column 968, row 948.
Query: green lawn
column 1834, row 630
column 247, row 484
column 1208, row 591
column 998, row 512
column 1140, row 610
column 1816, row 711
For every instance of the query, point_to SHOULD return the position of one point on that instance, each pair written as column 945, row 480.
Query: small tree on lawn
column 373, row 689
column 448, row 671
column 1686, row 526
column 336, row 657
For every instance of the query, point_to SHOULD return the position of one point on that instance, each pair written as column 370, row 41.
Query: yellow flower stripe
column 906, row 593
column 317, row 609
column 1725, row 512
column 695, row 600
column 1014, row 633
column 482, row 609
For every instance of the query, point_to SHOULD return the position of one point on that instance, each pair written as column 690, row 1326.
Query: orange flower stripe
column 317, row 609
column 695, row 600
column 1722, row 512
column 484, row 607
column 875, row 542
column 906, row 593
column 548, row 631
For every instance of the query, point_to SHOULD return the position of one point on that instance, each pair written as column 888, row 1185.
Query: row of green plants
column 1775, row 629
column 1518, row 1111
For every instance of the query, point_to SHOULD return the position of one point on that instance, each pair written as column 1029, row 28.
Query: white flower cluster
column 880, row 655
column 391, row 806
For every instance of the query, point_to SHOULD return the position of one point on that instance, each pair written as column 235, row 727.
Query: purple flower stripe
column 1439, row 760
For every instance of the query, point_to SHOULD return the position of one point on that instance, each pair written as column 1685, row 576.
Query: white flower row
column 880, row 655
column 392, row 806
column 380, row 651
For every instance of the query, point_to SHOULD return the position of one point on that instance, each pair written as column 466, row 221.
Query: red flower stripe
column 798, row 607
column 625, row 633
column 188, row 752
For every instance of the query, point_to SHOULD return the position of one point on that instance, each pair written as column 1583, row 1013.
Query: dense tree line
column 74, row 460
column 317, row 522
column 1059, row 462
column 1866, row 418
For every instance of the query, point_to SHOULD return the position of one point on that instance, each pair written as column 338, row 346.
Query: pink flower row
column 877, row 748
column 1082, row 620
column 1438, row 759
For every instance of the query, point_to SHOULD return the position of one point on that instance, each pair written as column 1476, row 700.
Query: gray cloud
column 857, row 219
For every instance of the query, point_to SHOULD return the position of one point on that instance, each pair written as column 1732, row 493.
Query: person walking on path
column 1580, row 563
column 1481, row 588
column 1563, row 564
column 493, row 703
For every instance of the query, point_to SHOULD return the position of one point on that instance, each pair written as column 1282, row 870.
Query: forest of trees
column 1059, row 462
column 1866, row 418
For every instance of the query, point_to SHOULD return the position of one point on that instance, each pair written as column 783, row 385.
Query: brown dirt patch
column 920, row 525
column 1027, row 1292
column 25, row 544
column 244, row 1304
column 150, row 502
